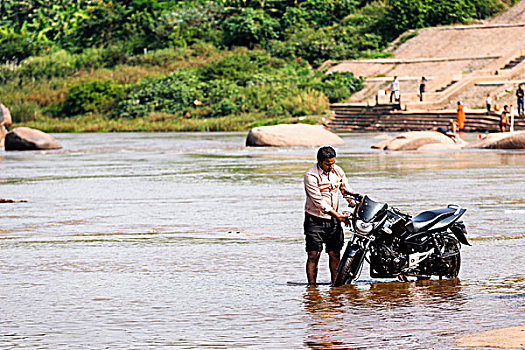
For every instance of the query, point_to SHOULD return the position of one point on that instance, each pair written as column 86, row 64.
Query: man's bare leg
column 334, row 258
column 311, row 267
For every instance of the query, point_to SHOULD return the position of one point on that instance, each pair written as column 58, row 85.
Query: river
column 189, row 240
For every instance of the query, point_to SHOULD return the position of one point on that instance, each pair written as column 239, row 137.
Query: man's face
column 327, row 165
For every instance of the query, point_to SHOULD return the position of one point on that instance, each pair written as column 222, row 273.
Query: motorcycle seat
column 428, row 218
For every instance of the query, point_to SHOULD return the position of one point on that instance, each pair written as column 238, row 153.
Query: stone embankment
column 387, row 117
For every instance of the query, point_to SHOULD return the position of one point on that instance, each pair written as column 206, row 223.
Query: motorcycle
column 396, row 244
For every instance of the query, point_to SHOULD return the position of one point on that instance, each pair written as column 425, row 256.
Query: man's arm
column 314, row 193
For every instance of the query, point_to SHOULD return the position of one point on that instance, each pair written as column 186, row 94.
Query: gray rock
column 5, row 116
column 414, row 140
column 5, row 123
column 292, row 135
column 27, row 139
column 501, row 140
column 3, row 132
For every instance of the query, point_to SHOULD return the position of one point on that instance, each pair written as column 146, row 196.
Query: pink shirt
column 322, row 190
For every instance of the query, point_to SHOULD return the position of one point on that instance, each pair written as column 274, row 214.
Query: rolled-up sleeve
column 314, row 193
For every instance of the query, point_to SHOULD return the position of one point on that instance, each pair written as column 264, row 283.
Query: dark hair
column 325, row 152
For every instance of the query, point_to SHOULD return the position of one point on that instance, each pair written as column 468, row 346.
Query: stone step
column 514, row 62
column 351, row 118
column 446, row 86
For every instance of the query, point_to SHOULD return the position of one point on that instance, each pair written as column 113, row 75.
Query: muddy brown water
column 139, row 241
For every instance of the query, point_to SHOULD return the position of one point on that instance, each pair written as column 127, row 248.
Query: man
column 460, row 117
column 394, row 89
column 322, row 223
column 519, row 95
column 504, row 119
column 421, row 89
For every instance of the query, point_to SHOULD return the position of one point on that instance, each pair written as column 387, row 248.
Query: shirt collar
column 321, row 171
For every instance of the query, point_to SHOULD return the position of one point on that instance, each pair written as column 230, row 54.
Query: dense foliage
column 333, row 27
column 237, row 83
column 182, row 58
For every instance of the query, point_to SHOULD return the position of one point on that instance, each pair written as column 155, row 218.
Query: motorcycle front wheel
column 349, row 265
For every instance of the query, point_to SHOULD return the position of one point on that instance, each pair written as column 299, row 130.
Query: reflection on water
column 145, row 240
column 392, row 314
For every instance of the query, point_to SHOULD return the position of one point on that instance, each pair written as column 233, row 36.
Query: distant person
column 452, row 126
column 322, row 222
column 519, row 96
column 504, row 119
column 394, row 89
column 512, row 117
column 421, row 88
column 451, row 132
column 460, row 117
column 488, row 102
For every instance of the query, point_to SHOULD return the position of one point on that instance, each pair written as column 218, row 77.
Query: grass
column 160, row 122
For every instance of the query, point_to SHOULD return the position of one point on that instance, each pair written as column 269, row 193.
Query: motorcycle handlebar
column 354, row 196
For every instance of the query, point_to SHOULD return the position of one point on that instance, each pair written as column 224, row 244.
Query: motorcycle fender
column 459, row 231
column 353, row 249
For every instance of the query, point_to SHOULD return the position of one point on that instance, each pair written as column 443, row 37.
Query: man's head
column 326, row 158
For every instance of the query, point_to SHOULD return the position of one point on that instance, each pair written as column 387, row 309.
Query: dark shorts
column 318, row 231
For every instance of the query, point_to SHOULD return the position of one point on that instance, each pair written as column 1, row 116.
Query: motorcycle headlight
column 363, row 227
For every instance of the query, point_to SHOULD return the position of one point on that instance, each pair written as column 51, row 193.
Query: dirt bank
column 508, row 338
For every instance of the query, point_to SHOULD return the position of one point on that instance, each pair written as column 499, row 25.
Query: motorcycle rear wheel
column 349, row 265
column 452, row 264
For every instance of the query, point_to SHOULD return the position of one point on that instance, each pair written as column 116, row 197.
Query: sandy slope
column 516, row 14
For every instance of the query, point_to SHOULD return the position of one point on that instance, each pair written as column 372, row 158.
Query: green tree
column 250, row 27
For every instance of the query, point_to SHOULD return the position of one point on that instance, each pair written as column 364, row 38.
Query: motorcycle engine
column 385, row 260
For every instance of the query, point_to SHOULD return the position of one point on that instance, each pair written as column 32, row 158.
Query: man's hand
column 351, row 202
column 352, row 198
column 343, row 218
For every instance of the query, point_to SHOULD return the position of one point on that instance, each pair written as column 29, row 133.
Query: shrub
column 224, row 107
column 216, row 90
column 24, row 111
column 92, row 96
column 305, row 102
column 172, row 94
column 190, row 24
column 250, row 27
column 17, row 47
column 317, row 13
column 239, row 68
column 338, row 86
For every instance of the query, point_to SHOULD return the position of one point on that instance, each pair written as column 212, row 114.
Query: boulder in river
column 292, row 135
column 27, row 139
column 414, row 140
column 5, row 116
column 501, row 140
column 3, row 132
column 5, row 123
